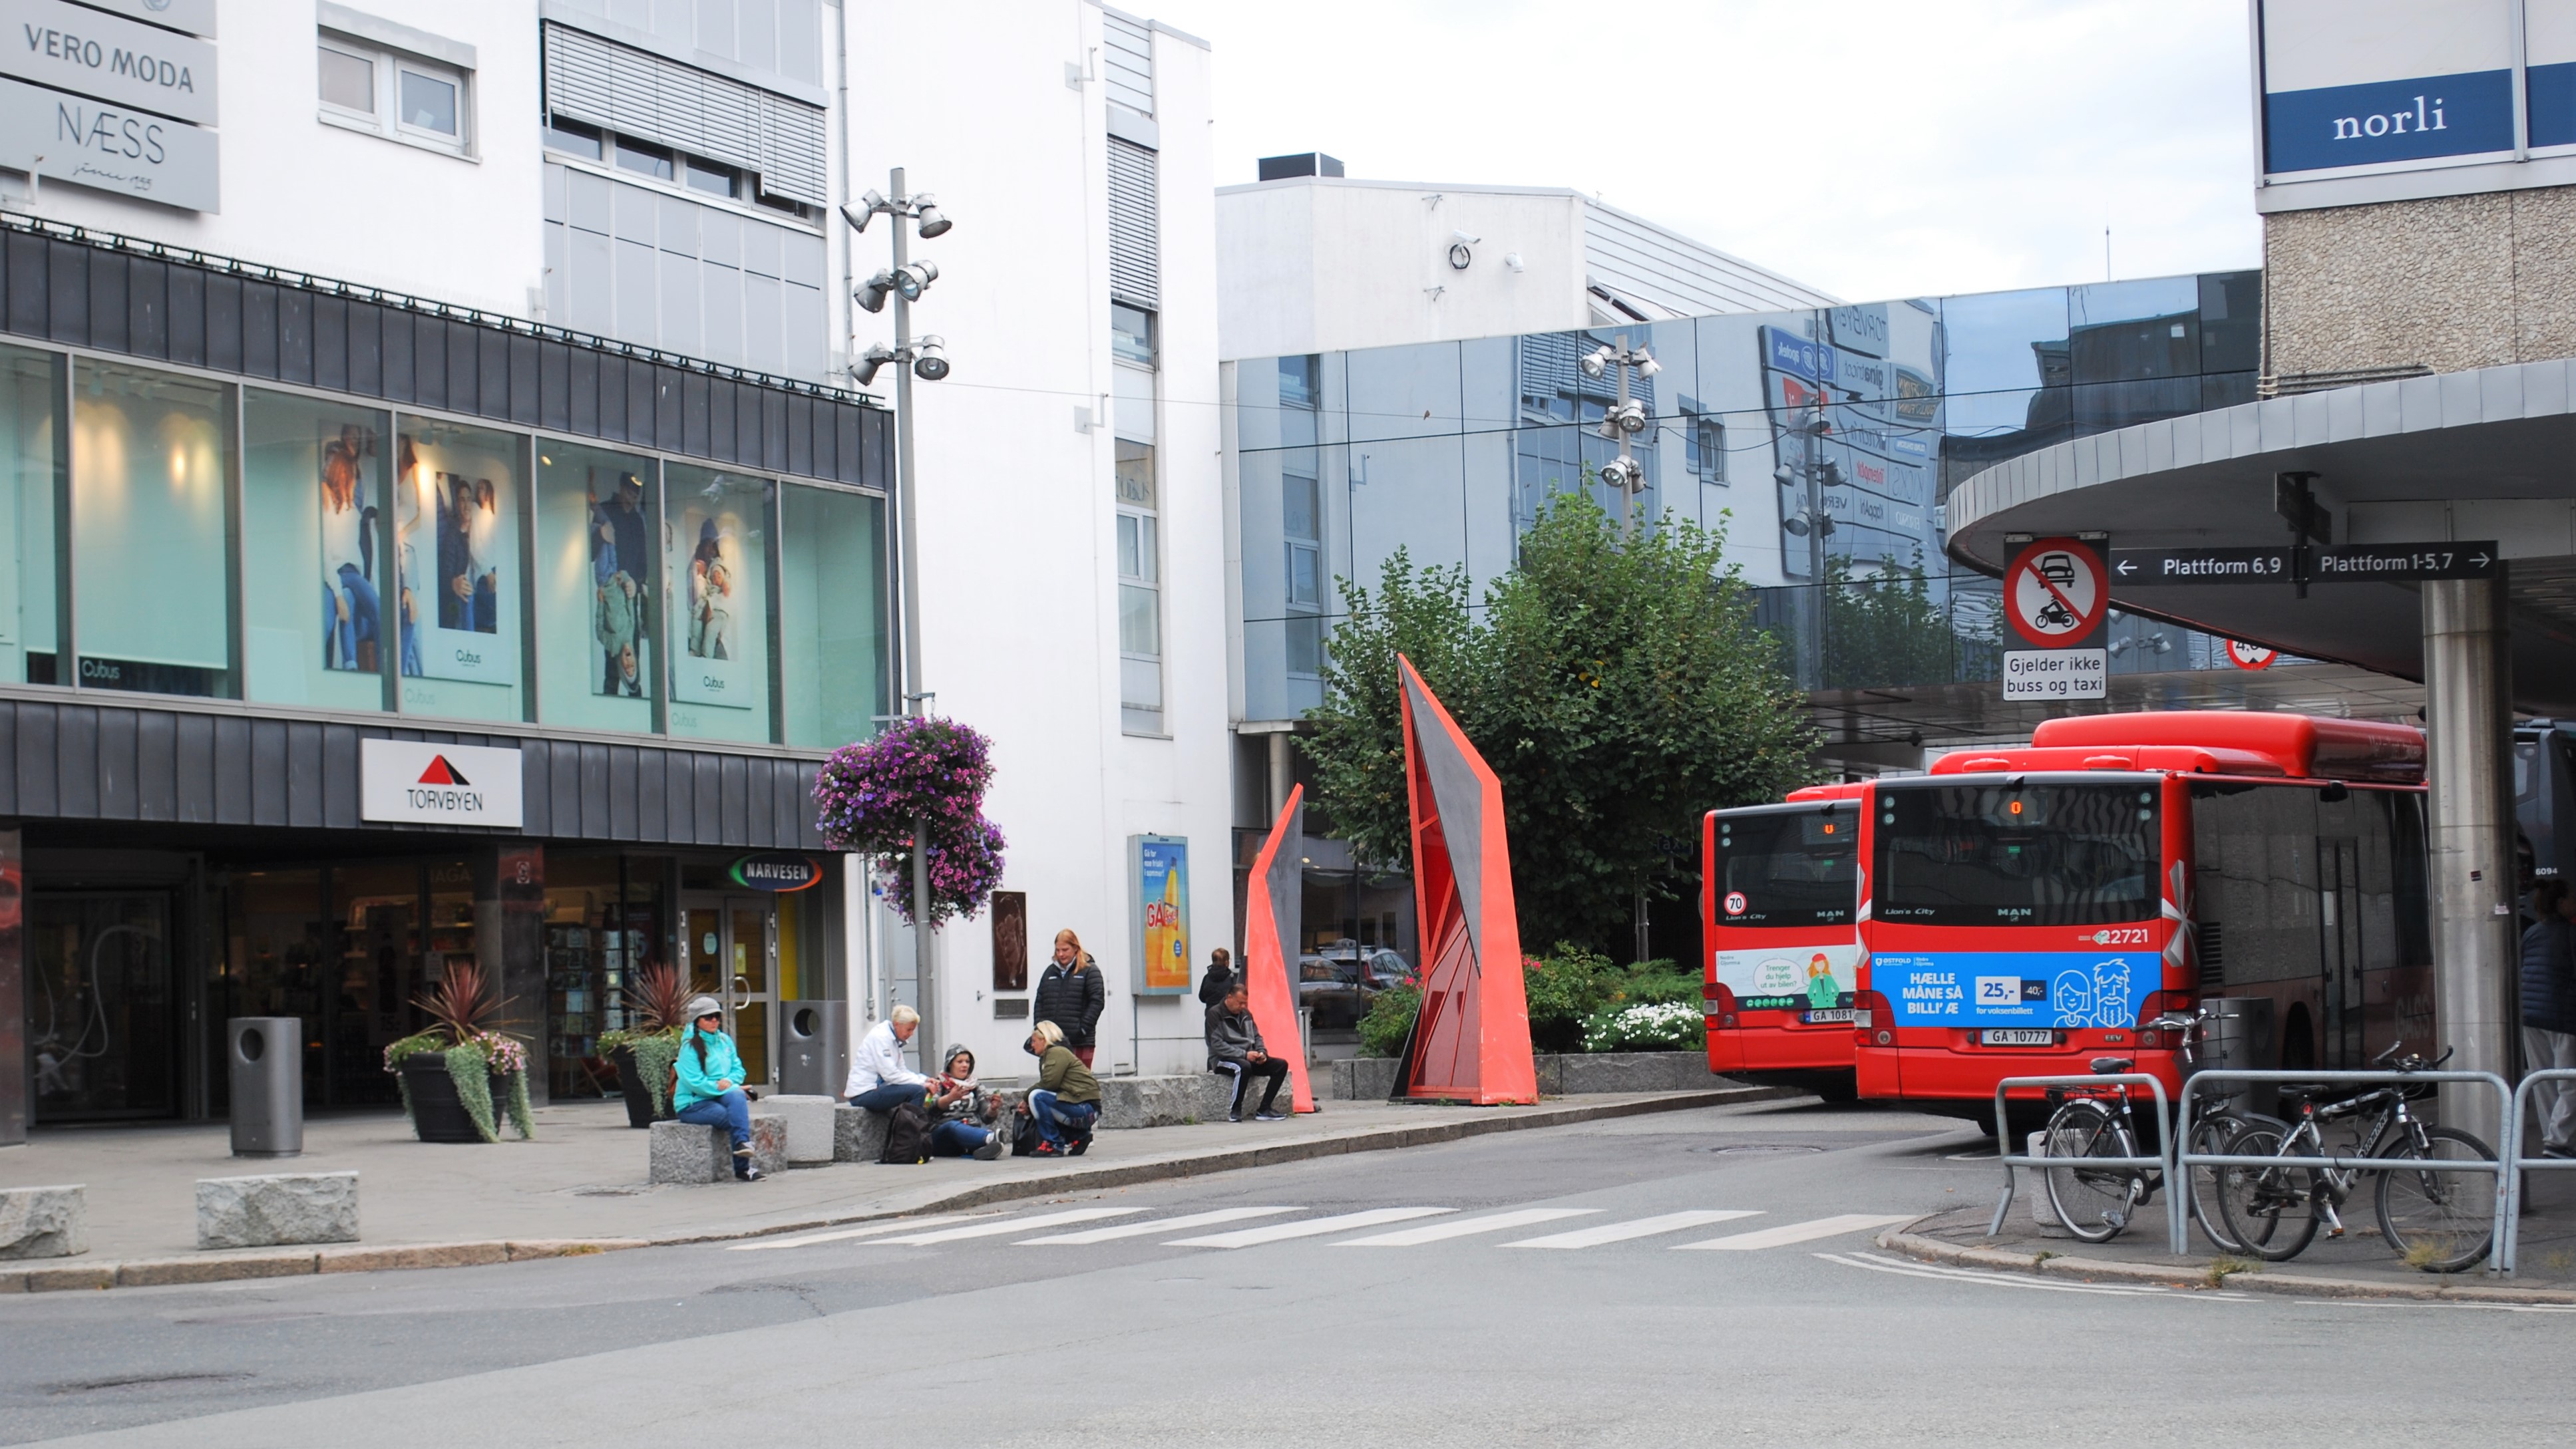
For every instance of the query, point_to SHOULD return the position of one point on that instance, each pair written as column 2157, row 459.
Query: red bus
column 2025, row 910
column 1779, row 907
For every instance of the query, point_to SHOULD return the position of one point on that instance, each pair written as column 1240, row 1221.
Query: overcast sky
column 1874, row 150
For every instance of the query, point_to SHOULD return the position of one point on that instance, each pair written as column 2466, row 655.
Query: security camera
column 1469, row 240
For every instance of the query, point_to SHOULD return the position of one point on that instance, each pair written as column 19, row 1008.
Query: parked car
column 1337, row 983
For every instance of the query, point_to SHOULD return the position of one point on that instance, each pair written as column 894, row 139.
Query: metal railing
column 2183, row 1159
column 2508, row 1239
column 2010, row 1159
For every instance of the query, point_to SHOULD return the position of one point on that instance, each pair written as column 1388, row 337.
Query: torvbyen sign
column 429, row 784
column 74, row 48
column 775, row 872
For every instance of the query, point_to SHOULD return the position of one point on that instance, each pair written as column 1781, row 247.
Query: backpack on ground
column 907, row 1135
column 1024, row 1135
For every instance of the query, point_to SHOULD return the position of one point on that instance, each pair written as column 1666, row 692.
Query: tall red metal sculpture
column 1273, row 903
column 1471, row 1041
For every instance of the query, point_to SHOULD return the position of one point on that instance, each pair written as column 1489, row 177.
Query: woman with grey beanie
column 708, row 1090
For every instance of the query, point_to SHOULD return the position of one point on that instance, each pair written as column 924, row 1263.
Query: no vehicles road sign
column 2057, row 592
column 2250, row 656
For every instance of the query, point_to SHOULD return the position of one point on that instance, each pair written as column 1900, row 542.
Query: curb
column 2252, row 1280
column 159, row 1272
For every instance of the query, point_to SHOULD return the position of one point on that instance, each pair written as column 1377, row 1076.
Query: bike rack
column 2178, row 1207
column 2509, row 1234
column 2011, row 1160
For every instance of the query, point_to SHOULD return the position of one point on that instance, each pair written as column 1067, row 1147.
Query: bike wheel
column 2214, row 1136
column 2440, row 1222
column 2093, row 1202
column 2269, row 1211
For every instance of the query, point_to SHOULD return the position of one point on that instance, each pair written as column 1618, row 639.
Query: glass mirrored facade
column 178, row 534
column 1823, row 442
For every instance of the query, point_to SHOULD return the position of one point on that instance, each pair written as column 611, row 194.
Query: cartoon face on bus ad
column 2017, row 988
column 1803, row 978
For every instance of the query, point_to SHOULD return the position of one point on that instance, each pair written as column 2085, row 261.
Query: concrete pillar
column 1283, row 771
column 2469, row 718
column 14, row 1076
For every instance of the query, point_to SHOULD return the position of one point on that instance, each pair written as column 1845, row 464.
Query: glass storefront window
column 374, row 908
column 456, row 532
column 152, row 555
column 272, row 965
column 585, row 972
column 832, row 615
column 314, row 490
column 598, row 604
column 715, row 544
column 30, row 627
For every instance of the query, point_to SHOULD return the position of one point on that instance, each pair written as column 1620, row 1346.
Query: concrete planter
column 1559, row 1074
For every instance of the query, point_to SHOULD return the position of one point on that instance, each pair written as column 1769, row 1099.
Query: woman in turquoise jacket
column 709, row 1089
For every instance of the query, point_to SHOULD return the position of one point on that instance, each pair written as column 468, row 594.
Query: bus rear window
column 1788, row 867
column 2033, row 855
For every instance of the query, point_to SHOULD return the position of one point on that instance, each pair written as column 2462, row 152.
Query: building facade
column 524, row 336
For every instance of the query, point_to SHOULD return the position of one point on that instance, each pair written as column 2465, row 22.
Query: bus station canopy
column 2465, row 456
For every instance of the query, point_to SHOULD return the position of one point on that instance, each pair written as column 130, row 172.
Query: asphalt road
column 1532, row 1288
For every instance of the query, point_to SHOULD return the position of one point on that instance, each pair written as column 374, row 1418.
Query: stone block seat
column 809, row 1126
column 684, row 1152
column 43, row 1222
column 277, row 1210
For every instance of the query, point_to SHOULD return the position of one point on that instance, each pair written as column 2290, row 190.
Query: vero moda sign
column 419, row 783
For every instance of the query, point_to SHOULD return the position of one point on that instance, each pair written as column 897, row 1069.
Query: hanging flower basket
column 927, row 774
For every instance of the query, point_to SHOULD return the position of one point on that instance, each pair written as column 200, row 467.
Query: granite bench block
column 858, row 1135
column 809, row 1126
column 684, row 1152
column 43, row 1222
column 278, row 1210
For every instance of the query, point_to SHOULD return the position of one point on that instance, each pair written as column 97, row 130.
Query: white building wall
column 1017, row 509
column 1324, row 264
column 300, row 194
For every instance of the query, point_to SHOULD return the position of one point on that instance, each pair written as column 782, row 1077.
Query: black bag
column 907, row 1135
column 1024, row 1134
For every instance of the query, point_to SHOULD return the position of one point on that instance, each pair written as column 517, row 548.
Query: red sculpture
column 1272, row 905
column 1471, row 1041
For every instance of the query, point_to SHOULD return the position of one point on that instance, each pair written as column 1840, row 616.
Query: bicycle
column 2096, row 1203
column 2439, row 1221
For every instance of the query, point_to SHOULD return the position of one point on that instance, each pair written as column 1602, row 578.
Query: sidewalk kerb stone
column 59, row 1280
column 162, row 1272
column 2268, row 1281
column 413, row 1255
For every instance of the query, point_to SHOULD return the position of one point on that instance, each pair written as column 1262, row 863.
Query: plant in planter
column 1651, row 1026
column 644, row 1051
column 454, row 1075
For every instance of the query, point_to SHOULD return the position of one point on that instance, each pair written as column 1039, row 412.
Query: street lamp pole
column 1625, row 420
column 926, row 358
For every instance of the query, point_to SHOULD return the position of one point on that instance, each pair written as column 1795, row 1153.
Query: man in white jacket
column 879, row 1081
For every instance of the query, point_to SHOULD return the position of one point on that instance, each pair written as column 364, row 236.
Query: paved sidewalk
column 579, row 1187
column 2356, row 1265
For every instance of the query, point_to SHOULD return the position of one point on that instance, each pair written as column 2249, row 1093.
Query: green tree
column 1618, row 688
column 1885, row 629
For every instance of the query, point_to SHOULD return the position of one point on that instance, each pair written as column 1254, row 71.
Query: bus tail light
column 1718, row 1003
column 1872, row 1016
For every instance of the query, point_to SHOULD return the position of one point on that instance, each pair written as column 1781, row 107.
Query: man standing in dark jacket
column 2548, row 982
column 1236, row 1050
column 1071, row 993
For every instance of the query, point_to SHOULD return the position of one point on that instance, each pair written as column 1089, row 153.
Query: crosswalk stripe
column 900, row 1225
column 1311, row 1227
column 1011, row 1225
column 1787, row 1233
column 1464, row 1227
column 1138, row 1230
column 1636, row 1228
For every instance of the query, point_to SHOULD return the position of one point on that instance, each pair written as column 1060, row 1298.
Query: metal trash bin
column 2241, row 1037
column 265, row 1060
column 813, row 1048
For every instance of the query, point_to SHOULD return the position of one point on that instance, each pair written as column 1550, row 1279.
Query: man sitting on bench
column 1235, row 1048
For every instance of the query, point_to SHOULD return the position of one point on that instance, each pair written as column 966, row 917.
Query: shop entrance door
column 102, row 1005
column 732, row 946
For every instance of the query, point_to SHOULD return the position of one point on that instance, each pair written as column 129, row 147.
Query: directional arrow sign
column 2131, row 566
column 2362, row 562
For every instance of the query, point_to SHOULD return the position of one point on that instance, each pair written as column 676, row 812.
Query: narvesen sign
column 427, row 784
column 77, row 49
column 774, row 872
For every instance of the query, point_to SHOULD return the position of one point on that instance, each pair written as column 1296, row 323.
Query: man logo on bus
column 1822, row 992
column 1735, row 903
